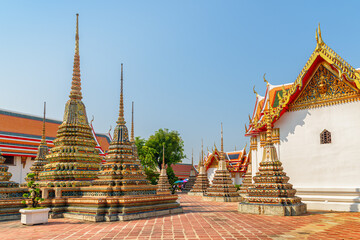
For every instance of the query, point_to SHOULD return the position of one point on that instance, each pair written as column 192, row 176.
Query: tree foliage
column 150, row 153
column 174, row 146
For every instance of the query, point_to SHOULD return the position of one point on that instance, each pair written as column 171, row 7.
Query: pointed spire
column 43, row 138
column 121, row 119
column 255, row 91
column 132, row 123
column 192, row 157
column 202, row 151
column 75, row 92
column 163, row 163
column 222, row 138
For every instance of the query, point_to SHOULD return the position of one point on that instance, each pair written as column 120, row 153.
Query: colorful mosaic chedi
column 40, row 160
column 202, row 181
column 74, row 160
column 222, row 188
column 192, row 178
column 163, row 185
column 271, row 194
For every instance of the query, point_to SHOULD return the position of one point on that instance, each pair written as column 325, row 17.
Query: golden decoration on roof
column 331, row 58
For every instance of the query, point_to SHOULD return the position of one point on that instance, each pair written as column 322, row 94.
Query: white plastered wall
column 326, row 176
column 18, row 171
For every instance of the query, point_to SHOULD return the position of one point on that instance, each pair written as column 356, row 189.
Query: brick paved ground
column 201, row 220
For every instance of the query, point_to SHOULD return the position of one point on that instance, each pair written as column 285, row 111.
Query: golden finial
column 75, row 92
column 121, row 119
column 43, row 138
column 267, row 83
column 246, row 128
column 192, row 157
column 319, row 41
column 222, row 138
column 132, row 123
column 250, row 119
column 245, row 147
column 255, row 91
column 92, row 119
column 202, row 150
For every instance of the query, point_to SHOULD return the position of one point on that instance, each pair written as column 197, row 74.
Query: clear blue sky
column 188, row 65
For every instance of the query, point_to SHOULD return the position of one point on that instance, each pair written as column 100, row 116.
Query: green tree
column 171, row 175
column 150, row 153
column 174, row 147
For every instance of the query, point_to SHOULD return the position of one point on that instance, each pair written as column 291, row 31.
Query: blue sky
column 188, row 65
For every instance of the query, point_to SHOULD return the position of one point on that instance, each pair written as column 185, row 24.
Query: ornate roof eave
column 321, row 53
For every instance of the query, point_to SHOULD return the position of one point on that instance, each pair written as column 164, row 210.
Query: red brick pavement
column 200, row 220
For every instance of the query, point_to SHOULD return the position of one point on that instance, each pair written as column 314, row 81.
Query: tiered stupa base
column 222, row 189
column 99, row 204
column 272, row 209
column 10, row 194
column 271, row 194
column 190, row 184
column 247, row 182
column 201, row 184
column 163, row 186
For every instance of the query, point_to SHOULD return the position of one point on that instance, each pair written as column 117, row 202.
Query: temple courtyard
column 200, row 220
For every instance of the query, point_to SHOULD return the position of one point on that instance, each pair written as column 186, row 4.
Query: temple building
column 315, row 124
column 20, row 137
column 236, row 163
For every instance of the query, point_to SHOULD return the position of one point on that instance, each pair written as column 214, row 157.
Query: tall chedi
column 222, row 188
column 201, row 182
column 192, row 178
column 40, row 160
column 271, row 194
column 163, row 186
column 122, row 168
column 74, row 160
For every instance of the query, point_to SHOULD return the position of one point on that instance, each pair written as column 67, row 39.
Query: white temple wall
column 325, row 175
column 211, row 174
column 18, row 171
column 237, row 179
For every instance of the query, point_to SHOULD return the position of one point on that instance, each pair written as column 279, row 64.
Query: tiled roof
column 182, row 170
column 20, row 134
column 236, row 161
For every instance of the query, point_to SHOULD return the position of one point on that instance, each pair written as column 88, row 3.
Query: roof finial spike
column 267, row 83
column 132, row 123
column 163, row 163
column 43, row 138
column 75, row 92
column 319, row 41
column 121, row 119
column 255, row 91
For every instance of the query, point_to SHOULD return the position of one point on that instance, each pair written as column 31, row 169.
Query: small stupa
column 122, row 168
column 5, row 176
column 222, row 188
column 201, row 182
column 192, row 178
column 247, row 180
column 271, row 194
column 163, row 186
column 40, row 160
column 74, row 160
